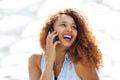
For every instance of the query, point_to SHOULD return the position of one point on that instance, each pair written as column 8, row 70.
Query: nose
column 69, row 29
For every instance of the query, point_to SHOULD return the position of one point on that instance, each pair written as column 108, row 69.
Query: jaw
column 65, row 44
column 61, row 48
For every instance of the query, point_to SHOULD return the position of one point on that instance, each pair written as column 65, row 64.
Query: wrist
column 50, row 61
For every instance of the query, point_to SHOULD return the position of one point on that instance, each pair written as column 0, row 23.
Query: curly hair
column 85, row 48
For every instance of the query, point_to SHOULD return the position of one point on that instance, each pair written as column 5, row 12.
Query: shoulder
column 34, row 66
column 35, row 59
column 85, row 72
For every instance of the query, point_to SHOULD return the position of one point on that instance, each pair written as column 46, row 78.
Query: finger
column 49, row 32
column 57, row 43
column 54, row 32
column 54, row 35
column 51, row 36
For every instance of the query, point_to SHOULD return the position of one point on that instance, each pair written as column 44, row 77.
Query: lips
column 69, row 37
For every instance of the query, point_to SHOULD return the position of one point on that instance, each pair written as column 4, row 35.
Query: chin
column 67, row 46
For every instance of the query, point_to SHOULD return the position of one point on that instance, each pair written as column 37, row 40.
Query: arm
column 46, row 75
column 85, row 72
column 50, row 56
column 35, row 60
column 34, row 69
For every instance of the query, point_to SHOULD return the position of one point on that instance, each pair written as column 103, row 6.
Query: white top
column 67, row 71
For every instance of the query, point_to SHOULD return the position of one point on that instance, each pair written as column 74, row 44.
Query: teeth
column 67, row 36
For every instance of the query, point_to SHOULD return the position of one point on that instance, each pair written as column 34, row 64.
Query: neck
column 60, row 54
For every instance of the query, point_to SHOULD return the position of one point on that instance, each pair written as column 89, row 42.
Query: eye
column 74, row 27
column 64, row 25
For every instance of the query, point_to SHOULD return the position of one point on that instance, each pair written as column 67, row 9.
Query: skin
column 55, row 53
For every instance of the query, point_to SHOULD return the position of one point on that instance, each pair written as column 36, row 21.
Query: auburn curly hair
column 85, row 48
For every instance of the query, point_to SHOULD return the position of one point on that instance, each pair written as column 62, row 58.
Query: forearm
column 46, row 75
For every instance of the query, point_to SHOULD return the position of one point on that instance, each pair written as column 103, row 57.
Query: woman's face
column 66, row 29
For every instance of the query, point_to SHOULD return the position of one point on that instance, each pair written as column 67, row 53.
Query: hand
column 50, row 46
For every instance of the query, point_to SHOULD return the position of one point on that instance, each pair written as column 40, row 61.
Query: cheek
column 75, row 34
column 59, row 30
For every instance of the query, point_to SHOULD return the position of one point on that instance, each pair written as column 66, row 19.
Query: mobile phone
column 56, row 37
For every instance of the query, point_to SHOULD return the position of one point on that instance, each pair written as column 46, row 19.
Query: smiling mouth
column 67, row 37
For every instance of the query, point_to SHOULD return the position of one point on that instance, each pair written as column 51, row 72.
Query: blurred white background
column 20, row 23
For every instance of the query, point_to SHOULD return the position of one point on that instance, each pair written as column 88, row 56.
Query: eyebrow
column 66, row 22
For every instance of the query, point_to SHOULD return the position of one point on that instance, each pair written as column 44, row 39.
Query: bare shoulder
column 85, row 72
column 34, row 66
column 35, row 59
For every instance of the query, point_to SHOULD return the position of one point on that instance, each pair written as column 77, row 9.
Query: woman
column 74, row 55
